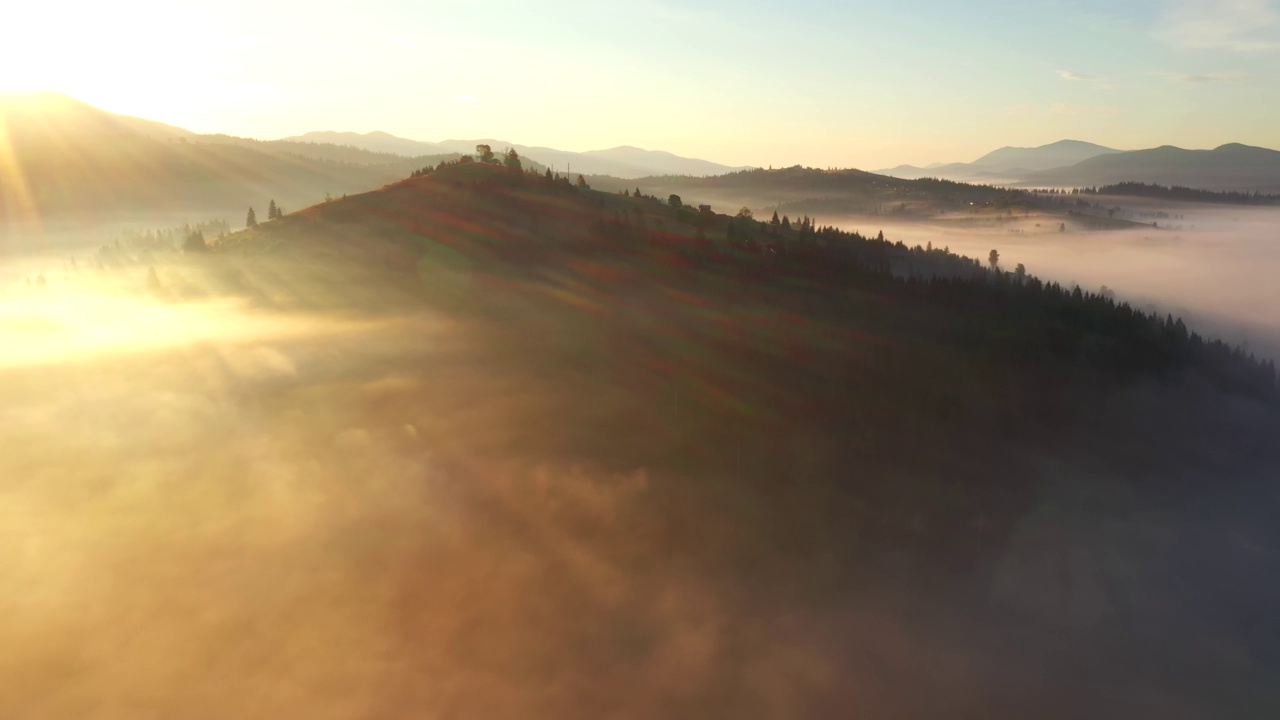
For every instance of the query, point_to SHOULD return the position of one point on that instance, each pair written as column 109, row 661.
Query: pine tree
column 251, row 220
column 582, row 182
column 271, row 210
column 775, row 220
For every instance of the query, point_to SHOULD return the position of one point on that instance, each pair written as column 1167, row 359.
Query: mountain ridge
column 623, row 161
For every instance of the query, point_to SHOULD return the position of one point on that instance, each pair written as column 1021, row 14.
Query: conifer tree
column 271, row 210
column 251, row 220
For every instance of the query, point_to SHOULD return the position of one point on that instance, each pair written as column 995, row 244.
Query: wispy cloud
column 1082, row 77
column 1243, row 26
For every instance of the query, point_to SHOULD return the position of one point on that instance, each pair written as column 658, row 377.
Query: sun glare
column 79, row 326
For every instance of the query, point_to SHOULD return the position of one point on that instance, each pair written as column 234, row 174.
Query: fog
column 1217, row 270
column 257, row 488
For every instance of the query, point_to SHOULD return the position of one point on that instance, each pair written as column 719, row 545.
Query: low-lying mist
column 245, row 486
column 1217, row 269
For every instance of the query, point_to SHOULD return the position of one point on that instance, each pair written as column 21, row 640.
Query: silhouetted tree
column 195, row 242
column 485, row 153
column 251, row 220
column 786, row 222
column 744, row 212
column 993, row 259
column 512, row 160
column 775, row 220
column 271, row 210
column 582, row 183
column 675, row 201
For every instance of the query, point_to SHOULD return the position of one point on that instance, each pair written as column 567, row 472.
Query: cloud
column 1188, row 79
column 1243, row 26
column 1083, row 77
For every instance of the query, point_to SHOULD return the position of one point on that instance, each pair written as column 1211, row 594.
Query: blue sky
column 749, row 82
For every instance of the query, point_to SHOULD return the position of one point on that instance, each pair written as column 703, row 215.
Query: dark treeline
column 1186, row 194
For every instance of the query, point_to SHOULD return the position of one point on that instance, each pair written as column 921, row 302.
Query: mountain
column 622, row 162
column 378, row 142
column 1008, row 163
column 802, row 448
column 65, row 160
column 1228, row 167
column 1059, row 154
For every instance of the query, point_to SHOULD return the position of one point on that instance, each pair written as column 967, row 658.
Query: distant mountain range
column 621, row 162
column 1007, row 163
column 1228, row 167
column 1071, row 163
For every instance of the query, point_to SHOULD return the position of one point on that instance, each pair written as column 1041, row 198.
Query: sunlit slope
column 61, row 160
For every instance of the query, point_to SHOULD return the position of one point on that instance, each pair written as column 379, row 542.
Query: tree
column 1062, row 227
column 745, row 212
column 993, row 259
column 582, row 183
column 775, row 220
column 512, row 160
column 547, row 174
column 786, row 223
column 195, row 242
column 485, row 153
column 271, row 210
column 251, row 220
column 675, row 201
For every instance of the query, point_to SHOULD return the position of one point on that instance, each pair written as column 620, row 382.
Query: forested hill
column 802, row 189
column 806, row 423
column 1183, row 194
column 1013, row 315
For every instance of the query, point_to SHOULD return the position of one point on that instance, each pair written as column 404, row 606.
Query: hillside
column 1232, row 167
column 797, row 190
column 570, row 453
column 621, row 162
column 1002, row 469
column 65, row 161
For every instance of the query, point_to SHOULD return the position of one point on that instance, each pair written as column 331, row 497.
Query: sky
column 743, row 82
